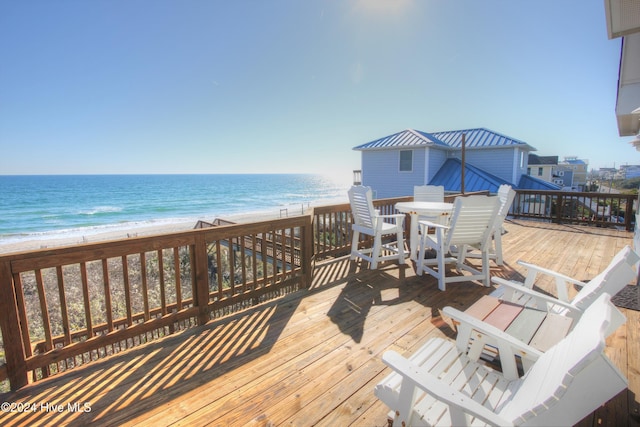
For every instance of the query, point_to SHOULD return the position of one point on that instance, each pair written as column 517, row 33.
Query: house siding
column 436, row 160
column 499, row 161
column 381, row 172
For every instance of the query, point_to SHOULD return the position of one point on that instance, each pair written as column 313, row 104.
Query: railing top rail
column 51, row 257
column 578, row 193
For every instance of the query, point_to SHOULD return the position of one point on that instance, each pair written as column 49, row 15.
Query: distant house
column 394, row 164
column 564, row 178
column 630, row 171
column 578, row 169
column 542, row 167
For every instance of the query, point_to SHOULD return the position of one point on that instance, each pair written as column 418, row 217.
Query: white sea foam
column 101, row 209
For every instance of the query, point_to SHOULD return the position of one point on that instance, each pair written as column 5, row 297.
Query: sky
column 289, row 86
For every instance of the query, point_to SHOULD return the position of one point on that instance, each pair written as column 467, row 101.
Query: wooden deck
column 314, row 357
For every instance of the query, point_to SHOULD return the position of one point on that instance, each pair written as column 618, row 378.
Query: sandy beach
column 117, row 234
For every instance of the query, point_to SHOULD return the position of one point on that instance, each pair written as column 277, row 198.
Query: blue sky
column 205, row 86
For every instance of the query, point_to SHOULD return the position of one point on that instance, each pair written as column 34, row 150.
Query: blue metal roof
column 408, row 138
column 532, row 183
column 474, row 138
column 450, row 174
column 478, row 138
column 476, row 179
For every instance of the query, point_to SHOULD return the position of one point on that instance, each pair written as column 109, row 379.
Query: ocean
column 54, row 206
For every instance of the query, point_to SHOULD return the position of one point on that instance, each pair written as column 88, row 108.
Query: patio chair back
column 472, row 221
column 428, row 193
column 361, row 200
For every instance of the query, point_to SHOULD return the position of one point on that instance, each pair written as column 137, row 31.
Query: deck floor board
column 313, row 358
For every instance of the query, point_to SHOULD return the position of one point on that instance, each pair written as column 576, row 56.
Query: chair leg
column 442, row 276
column 497, row 240
column 354, row 244
column 420, row 258
column 486, row 271
column 375, row 253
column 400, row 243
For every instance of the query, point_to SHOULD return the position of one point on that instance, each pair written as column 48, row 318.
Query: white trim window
column 406, row 161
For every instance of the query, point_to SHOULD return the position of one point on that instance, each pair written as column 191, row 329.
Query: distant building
column 394, row 164
column 564, row 179
column 576, row 169
column 607, row 173
column 630, row 171
column 542, row 167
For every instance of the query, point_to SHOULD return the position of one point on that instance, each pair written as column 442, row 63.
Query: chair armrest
column 483, row 334
column 459, row 404
column 430, row 224
column 562, row 280
column 396, row 216
column 399, row 218
column 542, row 301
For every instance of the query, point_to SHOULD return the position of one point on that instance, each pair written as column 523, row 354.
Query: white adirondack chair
column 368, row 221
column 470, row 226
column 621, row 271
column 442, row 384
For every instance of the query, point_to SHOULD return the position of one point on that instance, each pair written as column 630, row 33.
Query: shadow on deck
column 313, row 357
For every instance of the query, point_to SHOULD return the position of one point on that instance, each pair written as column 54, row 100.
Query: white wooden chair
column 368, row 221
column 428, row 193
column 506, row 195
column 470, row 226
column 620, row 272
column 444, row 384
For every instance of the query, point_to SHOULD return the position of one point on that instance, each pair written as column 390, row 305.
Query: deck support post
column 16, row 364
column 307, row 256
column 201, row 278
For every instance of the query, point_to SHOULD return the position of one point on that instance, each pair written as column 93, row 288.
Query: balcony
column 260, row 324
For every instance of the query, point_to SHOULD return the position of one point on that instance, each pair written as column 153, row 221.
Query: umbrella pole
column 464, row 137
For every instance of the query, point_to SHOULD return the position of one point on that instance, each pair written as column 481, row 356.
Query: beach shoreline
column 60, row 240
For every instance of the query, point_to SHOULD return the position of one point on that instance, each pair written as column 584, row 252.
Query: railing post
column 10, row 326
column 560, row 208
column 201, row 277
column 307, row 251
column 628, row 212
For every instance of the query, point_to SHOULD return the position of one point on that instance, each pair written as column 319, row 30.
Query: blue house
column 393, row 165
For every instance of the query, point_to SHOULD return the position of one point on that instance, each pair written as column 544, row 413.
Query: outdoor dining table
column 416, row 209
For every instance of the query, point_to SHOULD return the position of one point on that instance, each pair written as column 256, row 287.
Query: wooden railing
column 600, row 209
column 61, row 308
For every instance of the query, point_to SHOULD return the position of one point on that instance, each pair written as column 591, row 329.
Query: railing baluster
column 178, row 279
column 254, row 260
column 127, row 289
column 86, row 299
column 145, row 285
column 163, row 296
column 107, row 294
column 64, row 310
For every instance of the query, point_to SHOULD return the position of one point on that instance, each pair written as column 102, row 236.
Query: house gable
column 501, row 157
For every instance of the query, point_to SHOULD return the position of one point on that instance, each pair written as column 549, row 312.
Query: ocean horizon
column 61, row 206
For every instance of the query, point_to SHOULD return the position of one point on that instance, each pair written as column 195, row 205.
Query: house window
column 406, row 161
column 539, row 171
column 528, row 171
